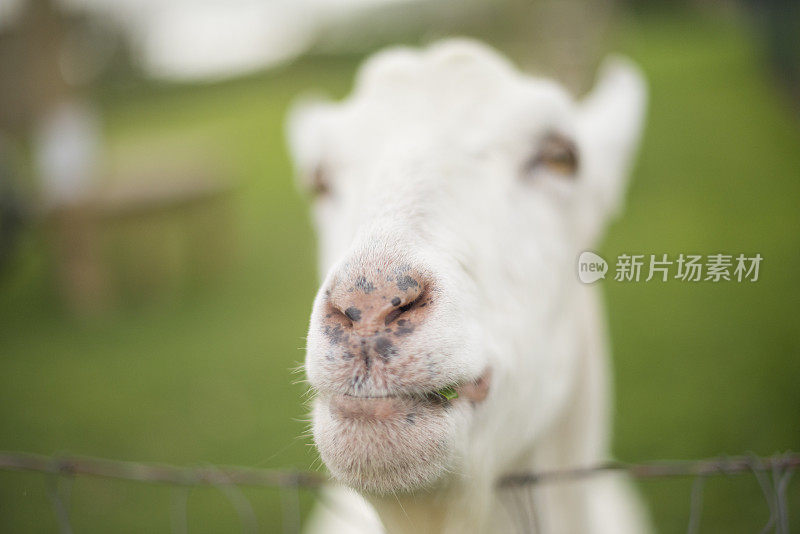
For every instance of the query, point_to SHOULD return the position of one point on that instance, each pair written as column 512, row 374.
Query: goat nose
column 372, row 301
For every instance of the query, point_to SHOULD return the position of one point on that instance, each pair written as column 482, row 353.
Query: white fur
column 425, row 162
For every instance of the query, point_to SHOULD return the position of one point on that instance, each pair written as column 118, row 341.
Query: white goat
column 454, row 195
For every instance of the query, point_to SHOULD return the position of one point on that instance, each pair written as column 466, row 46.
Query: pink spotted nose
column 370, row 314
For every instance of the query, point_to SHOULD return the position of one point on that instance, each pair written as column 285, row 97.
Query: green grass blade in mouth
column 448, row 393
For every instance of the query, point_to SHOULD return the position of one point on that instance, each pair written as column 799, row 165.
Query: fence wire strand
column 696, row 504
column 179, row 516
column 290, row 509
column 773, row 475
column 247, row 516
column 57, row 500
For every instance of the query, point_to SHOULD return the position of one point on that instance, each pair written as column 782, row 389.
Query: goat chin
column 388, row 445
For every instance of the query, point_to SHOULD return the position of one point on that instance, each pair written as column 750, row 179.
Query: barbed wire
column 158, row 473
column 773, row 474
column 724, row 465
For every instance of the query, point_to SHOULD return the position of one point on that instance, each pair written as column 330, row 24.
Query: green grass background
column 204, row 378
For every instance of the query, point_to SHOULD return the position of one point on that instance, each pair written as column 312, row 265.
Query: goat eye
column 557, row 154
column 318, row 182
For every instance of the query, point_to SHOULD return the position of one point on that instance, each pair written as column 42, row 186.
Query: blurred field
column 701, row 369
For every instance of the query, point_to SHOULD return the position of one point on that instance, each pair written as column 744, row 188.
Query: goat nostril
column 394, row 314
column 353, row 313
column 346, row 318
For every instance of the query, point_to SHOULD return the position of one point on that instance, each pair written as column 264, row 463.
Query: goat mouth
column 387, row 407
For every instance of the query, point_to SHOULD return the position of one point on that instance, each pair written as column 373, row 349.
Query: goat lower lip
column 374, row 409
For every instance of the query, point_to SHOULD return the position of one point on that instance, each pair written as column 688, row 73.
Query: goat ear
column 305, row 134
column 610, row 123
